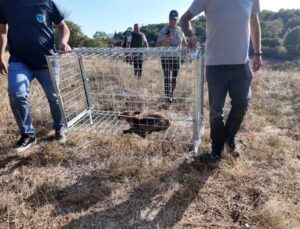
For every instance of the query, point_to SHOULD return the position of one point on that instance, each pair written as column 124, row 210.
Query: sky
column 117, row 15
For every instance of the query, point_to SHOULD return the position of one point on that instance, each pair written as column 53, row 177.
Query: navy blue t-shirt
column 30, row 34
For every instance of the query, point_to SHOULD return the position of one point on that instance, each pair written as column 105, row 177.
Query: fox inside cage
column 153, row 93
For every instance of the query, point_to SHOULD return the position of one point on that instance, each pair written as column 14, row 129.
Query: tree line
column 280, row 34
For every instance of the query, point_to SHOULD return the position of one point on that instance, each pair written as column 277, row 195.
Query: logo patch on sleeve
column 41, row 18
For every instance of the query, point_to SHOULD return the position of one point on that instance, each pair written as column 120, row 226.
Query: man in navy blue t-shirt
column 27, row 25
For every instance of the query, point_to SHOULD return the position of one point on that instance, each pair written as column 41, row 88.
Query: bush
column 292, row 42
column 271, row 42
column 278, row 52
column 293, row 22
column 272, row 28
column 97, row 43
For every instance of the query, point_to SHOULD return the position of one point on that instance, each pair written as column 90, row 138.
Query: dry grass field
column 104, row 182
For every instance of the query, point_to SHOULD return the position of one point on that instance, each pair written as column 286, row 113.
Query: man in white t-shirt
column 230, row 25
column 171, row 35
column 137, row 39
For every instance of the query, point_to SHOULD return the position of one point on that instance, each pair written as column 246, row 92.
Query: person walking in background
column 127, row 55
column 171, row 36
column 28, row 26
column 230, row 24
column 137, row 39
column 124, row 42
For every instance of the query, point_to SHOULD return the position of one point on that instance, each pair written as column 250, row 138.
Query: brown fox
column 146, row 124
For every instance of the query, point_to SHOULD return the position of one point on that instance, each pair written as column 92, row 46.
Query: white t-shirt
column 228, row 29
column 177, row 36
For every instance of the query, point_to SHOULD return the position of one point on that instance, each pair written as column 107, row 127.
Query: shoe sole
column 24, row 149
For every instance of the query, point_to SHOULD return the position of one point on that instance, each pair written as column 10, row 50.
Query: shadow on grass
column 37, row 157
column 4, row 161
column 85, row 193
column 146, row 207
column 11, row 163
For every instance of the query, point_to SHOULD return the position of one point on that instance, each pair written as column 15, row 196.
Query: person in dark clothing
column 28, row 27
column 137, row 39
column 170, row 65
column 171, row 36
column 124, row 42
column 127, row 57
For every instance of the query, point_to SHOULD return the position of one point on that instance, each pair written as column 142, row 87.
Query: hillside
column 102, row 182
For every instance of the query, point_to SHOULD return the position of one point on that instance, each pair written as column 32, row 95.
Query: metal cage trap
column 153, row 93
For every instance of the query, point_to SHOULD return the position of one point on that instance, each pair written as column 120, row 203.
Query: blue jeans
column 234, row 80
column 20, row 77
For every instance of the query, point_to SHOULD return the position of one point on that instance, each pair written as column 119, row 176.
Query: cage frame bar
column 86, row 86
column 112, row 52
column 53, row 63
column 199, row 98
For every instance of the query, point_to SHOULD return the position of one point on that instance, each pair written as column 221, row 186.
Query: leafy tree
column 286, row 15
column 101, row 35
column 267, row 15
column 292, row 41
column 200, row 28
column 77, row 38
column 151, row 31
column 293, row 22
column 272, row 29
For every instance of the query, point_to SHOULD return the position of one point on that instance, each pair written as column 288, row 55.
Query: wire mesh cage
column 153, row 93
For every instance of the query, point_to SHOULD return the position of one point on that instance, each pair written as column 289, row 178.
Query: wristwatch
column 258, row 54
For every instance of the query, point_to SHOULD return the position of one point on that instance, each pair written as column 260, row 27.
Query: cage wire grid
column 153, row 93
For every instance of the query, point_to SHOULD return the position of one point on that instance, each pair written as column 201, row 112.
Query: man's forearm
column 3, row 40
column 186, row 25
column 256, row 34
column 64, row 35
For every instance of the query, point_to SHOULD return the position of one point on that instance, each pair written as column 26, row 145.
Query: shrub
column 278, row 52
column 271, row 42
column 292, row 41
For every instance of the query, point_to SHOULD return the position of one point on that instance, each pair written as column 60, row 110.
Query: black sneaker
column 26, row 141
column 60, row 136
column 232, row 148
column 215, row 157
